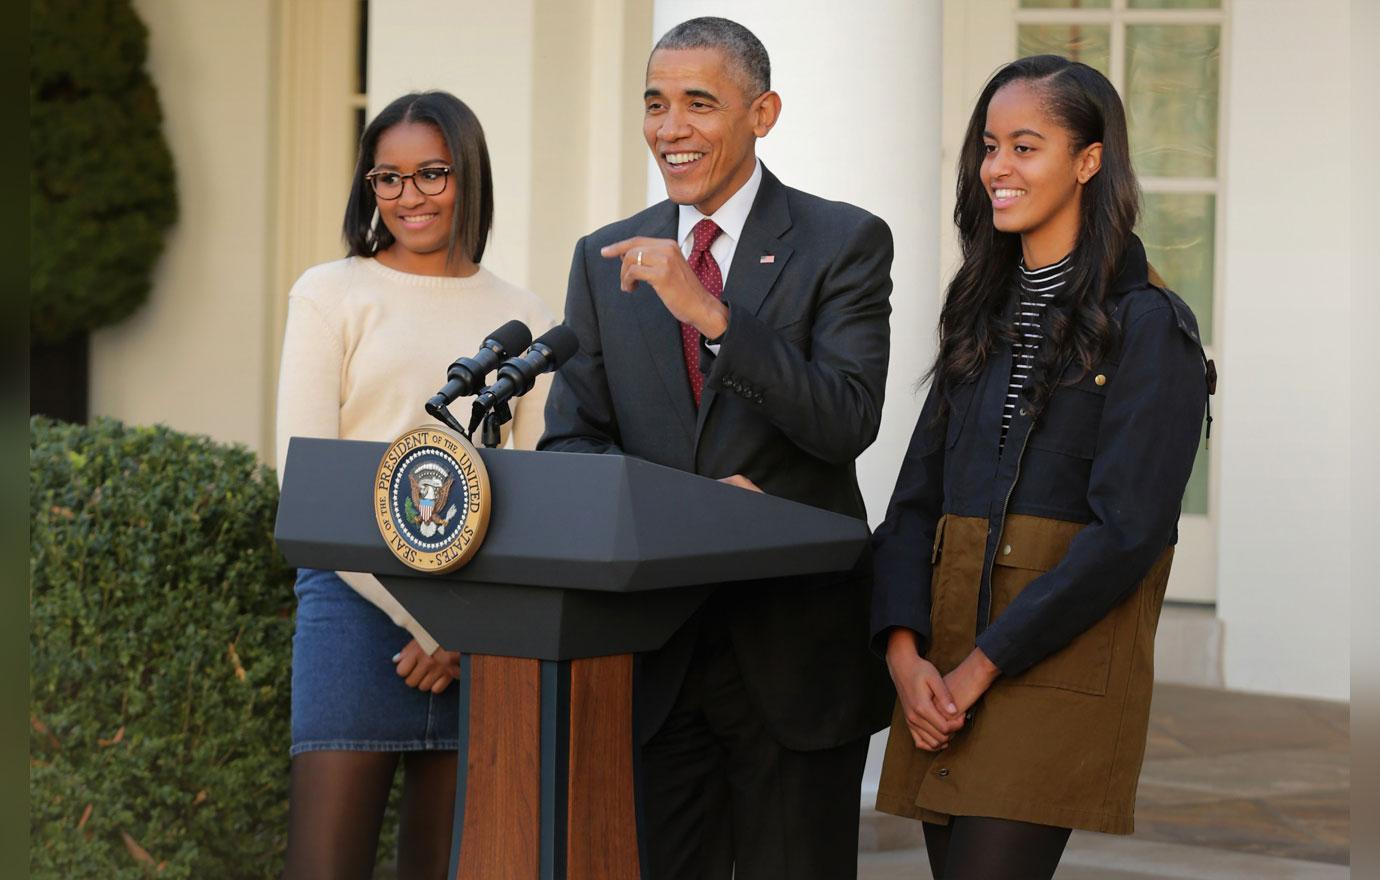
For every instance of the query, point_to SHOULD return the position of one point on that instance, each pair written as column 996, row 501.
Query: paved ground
column 1234, row 786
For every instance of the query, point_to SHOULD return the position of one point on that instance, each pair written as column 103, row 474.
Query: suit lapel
column 749, row 278
column 661, row 332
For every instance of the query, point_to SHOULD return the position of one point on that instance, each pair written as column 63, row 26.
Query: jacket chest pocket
column 1071, row 419
column 1084, row 664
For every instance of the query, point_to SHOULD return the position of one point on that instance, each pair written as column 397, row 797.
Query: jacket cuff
column 1001, row 652
column 746, row 332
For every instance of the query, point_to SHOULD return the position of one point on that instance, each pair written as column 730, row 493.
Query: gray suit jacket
column 791, row 400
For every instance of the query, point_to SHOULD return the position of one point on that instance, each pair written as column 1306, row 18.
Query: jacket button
column 1022, row 410
column 943, row 771
column 1006, row 551
column 1100, row 379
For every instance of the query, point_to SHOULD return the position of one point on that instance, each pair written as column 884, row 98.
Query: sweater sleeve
column 308, row 378
column 309, row 382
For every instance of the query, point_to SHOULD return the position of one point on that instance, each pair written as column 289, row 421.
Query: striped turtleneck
column 1038, row 289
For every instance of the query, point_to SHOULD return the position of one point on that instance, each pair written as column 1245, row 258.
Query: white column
column 860, row 89
column 860, row 120
column 1286, row 374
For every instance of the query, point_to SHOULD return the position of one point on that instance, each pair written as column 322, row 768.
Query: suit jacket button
column 1006, row 551
column 1100, row 379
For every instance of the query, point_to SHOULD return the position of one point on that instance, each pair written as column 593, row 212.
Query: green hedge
column 102, row 192
column 160, row 641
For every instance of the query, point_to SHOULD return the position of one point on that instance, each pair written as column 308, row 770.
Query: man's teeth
column 681, row 158
column 1008, row 193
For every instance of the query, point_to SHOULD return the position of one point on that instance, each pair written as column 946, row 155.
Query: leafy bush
column 101, row 188
column 160, row 646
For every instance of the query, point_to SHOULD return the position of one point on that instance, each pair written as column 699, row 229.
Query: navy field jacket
column 1113, row 450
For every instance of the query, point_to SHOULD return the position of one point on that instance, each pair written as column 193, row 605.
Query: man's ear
column 1090, row 162
column 766, row 109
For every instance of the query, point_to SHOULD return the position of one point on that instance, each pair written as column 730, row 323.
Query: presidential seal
column 431, row 500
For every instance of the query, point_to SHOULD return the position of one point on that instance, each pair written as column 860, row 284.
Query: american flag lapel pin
column 768, row 258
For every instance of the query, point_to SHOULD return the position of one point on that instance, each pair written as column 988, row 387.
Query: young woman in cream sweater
column 368, row 339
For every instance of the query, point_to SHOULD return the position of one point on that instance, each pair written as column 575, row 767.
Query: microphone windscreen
column 562, row 342
column 513, row 336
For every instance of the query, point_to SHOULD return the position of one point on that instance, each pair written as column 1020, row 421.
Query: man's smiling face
column 702, row 125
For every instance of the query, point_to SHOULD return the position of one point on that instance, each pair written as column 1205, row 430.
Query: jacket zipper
column 992, row 560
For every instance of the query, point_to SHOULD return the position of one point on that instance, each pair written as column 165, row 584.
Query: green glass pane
column 1066, row 4
column 1178, row 230
column 1175, row 4
column 1196, row 494
column 1090, row 44
column 1172, row 77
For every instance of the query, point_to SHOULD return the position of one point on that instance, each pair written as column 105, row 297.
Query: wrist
column 902, row 643
column 981, row 668
column 713, row 323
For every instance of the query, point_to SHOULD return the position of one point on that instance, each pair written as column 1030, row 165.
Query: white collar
column 732, row 214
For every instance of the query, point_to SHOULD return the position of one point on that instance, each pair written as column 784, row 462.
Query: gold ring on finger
column 639, row 258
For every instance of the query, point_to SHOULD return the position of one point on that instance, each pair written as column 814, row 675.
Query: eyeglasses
column 429, row 181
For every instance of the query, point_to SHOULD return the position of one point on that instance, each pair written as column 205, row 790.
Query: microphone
column 466, row 375
column 516, row 375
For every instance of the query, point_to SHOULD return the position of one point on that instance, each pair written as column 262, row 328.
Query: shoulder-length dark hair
column 470, row 174
column 1077, row 326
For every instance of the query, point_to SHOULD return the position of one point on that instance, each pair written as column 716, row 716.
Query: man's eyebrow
column 1017, row 133
column 689, row 93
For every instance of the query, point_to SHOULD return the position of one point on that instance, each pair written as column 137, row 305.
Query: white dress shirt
column 731, row 218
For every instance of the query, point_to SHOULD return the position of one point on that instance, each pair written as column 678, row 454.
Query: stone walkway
column 1234, row 786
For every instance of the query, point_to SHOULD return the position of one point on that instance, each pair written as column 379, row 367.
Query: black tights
column 978, row 848
column 336, row 811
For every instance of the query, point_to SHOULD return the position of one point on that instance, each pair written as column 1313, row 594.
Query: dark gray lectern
column 588, row 559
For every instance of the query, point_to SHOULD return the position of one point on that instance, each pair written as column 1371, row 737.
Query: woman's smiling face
column 1032, row 172
column 420, row 223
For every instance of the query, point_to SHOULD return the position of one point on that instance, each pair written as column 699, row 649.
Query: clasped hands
column 932, row 704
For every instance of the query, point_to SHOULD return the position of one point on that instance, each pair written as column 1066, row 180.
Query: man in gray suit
column 738, row 330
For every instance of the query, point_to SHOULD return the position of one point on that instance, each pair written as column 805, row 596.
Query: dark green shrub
column 101, row 188
column 160, row 645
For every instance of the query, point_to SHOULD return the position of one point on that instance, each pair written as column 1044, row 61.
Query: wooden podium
column 588, row 559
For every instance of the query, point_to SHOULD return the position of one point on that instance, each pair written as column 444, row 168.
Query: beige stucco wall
column 195, row 357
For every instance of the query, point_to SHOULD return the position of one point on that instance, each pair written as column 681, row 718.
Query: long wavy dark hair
column 1077, row 327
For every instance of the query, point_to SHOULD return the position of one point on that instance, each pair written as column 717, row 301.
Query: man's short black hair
column 729, row 37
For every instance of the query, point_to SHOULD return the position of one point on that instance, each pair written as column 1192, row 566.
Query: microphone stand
column 492, row 420
column 442, row 414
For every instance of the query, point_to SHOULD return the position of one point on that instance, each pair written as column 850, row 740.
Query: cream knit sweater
column 366, row 346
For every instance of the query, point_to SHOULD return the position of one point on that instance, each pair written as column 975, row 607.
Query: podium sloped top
column 594, row 522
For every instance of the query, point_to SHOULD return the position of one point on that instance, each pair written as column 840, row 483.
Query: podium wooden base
column 546, row 772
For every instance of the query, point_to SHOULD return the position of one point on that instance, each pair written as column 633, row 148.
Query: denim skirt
column 346, row 693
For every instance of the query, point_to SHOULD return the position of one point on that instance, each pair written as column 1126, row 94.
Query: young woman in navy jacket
column 1023, row 560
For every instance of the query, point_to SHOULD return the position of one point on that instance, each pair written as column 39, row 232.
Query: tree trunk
column 60, row 378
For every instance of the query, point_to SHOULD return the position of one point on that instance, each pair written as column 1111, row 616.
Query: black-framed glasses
column 429, row 181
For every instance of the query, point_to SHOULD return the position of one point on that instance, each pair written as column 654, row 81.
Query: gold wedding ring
column 639, row 258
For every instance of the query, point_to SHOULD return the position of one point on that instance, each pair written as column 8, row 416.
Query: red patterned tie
column 702, row 263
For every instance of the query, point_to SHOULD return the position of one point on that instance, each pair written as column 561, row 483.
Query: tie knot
column 704, row 234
